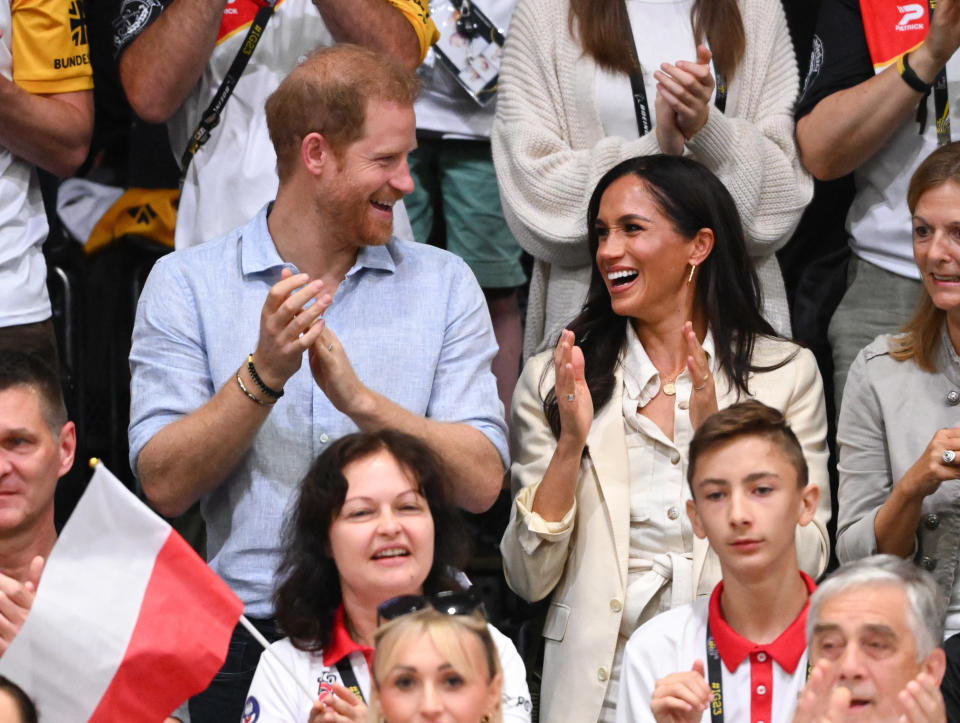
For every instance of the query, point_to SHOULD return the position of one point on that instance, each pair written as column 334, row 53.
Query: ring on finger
column 948, row 456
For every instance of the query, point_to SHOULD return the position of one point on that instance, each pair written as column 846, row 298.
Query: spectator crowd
column 429, row 255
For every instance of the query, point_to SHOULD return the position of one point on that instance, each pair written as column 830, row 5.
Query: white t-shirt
column 759, row 683
column 234, row 173
column 42, row 54
column 879, row 220
column 443, row 105
column 671, row 41
column 275, row 697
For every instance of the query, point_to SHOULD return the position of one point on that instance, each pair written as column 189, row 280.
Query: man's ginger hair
column 328, row 93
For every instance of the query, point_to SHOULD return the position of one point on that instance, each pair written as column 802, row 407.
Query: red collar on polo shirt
column 341, row 644
column 734, row 648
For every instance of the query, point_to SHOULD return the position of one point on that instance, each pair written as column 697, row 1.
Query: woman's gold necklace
column 669, row 387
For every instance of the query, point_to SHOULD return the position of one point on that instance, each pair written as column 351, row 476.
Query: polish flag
column 128, row 621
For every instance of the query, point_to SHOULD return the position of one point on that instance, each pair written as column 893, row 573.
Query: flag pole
column 267, row 649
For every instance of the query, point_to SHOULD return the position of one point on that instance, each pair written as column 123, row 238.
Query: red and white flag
column 128, row 621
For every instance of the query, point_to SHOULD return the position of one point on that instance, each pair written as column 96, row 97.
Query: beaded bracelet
column 259, row 382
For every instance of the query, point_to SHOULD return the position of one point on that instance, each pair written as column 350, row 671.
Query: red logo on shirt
column 892, row 29
column 237, row 15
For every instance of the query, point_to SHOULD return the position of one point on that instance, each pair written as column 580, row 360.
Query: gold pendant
column 669, row 389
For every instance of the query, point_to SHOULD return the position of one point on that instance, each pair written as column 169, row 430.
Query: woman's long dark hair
column 728, row 290
column 309, row 594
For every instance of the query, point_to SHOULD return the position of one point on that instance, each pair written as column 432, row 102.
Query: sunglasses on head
column 450, row 602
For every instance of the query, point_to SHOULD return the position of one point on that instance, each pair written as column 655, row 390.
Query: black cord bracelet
column 272, row 393
column 910, row 77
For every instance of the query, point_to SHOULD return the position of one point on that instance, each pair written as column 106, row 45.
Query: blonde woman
column 430, row 665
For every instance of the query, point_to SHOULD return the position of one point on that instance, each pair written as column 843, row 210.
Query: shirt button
column 673, row 513
column 953, row 398
column 675, row 458
column 603, row 674
column 682, row 405
column 616, row 605
column 761, row 657
column 931, row 521
column 761, row 690
column 324, row 438
column 927, row 563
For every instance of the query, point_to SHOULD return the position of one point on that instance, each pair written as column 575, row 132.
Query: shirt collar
column 341, row 644
column 950, row 359
column 641, row 381
column 787, row 649
column 258, row 252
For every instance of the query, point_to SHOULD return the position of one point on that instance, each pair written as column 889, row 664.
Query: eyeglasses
column 450, row 602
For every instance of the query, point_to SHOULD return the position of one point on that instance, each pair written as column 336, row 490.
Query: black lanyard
column 941, row 100
column 640, row 105
column 348, row 678
column 211, row 116
column 715, row 678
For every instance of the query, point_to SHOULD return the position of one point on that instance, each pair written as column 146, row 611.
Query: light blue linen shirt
column 411, row 318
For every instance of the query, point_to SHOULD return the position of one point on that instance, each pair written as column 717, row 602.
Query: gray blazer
column 889, row 414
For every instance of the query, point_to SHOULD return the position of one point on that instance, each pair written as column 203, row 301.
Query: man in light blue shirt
column 397, row 334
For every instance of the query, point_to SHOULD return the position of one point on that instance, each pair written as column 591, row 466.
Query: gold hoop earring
column 693, row 267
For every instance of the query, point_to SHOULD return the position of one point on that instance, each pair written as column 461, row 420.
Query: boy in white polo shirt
column 741, row 654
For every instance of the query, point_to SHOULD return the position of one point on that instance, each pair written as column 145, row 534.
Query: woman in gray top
column 898, row 433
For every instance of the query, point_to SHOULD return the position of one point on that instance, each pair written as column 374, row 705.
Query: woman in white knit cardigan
column 566, row 114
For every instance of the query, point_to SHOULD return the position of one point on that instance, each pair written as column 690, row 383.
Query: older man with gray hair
column 873, row 633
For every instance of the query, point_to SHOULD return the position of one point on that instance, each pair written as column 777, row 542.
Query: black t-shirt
column 133, row 19
column 839, row 56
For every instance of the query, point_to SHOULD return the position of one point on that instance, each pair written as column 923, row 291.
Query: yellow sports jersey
column 48, row 41
column 418, row 14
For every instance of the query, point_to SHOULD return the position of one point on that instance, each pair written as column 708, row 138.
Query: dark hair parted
column 603, row 30
column 922, row 333
column 328, row 94
column 308, row 593
column 25, row 706
column 747, row 419
column 20, row 369
column 727, row 287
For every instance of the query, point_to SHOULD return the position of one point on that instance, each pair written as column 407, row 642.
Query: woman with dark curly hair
column 372, row 523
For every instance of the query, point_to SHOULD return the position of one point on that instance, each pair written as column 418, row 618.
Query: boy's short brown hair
column 748, row 419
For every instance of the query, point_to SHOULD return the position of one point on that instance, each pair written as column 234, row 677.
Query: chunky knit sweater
column 550, row 150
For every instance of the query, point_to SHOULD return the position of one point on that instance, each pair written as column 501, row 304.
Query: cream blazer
column 584, row 564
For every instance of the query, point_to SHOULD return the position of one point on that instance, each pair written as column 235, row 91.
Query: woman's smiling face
column 936, row 245
column 381, row 540
column 642, row 258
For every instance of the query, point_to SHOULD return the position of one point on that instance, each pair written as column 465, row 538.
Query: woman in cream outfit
column 564, row 118
column 599, row 463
